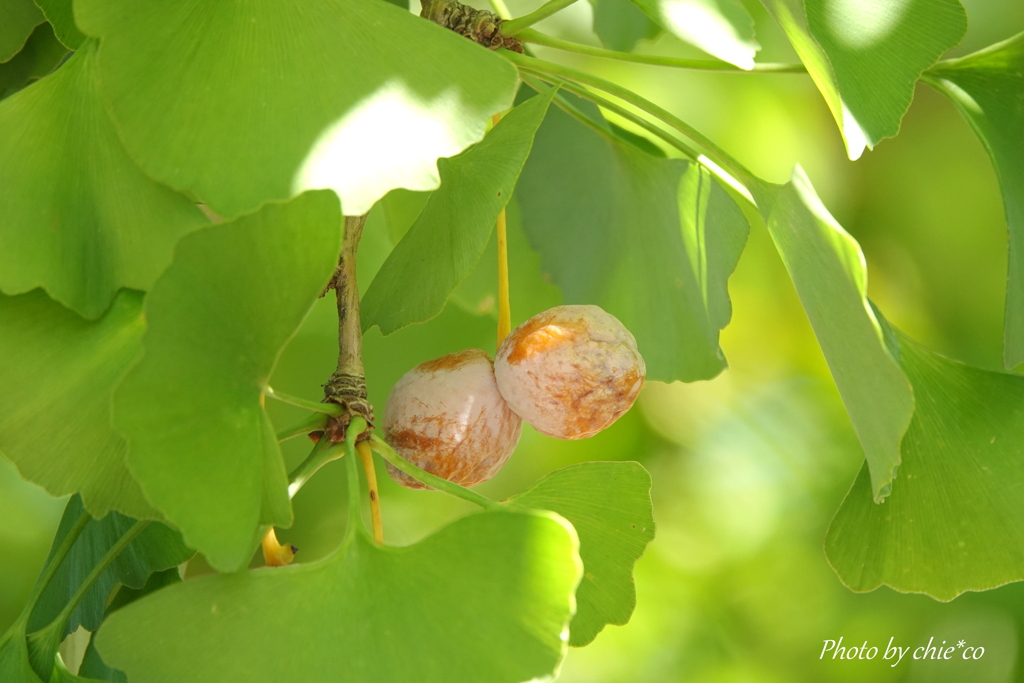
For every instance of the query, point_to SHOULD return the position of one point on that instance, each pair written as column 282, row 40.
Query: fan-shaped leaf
column 288, row 95
column 955, row 520
column 484, row 600
column 609, row 505
column 722, row 28
column 58, row 376
column 866, row 55
column 200, row 442
column 650, row 239
column 77, row 217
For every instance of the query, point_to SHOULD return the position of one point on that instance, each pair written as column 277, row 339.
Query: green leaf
column 41, row 55
column 77, row 217
column 445, row 243
column 609, row 505
column 157, row 548
column 722, row 28
column 651, row 240
column 14, row 661
column 828, row 269
column 621, row 25
column 201, row 443
column 58, row 374
column 955, row 522
column 62, row 675
column 484, row 600
column 93, row 665
column 19, row 18
column 289, row 95
column 866, row 56
column 988, row 89
column 61, row 15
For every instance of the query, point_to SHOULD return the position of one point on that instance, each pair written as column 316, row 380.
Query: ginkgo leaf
column 20, row 17
column 955, row 520
column 609, row 505
column 157, row 548
column 722, row 28
column 290, row 95
column 77, row 217
column 651, row 240
column 621, row 25
column 200, row 443
column 484, row 600
column 61, row 15
column 828, row 269
column 445, row 242
column 866, row 55
column 58, row 376
column 988, row 89
column 40, row 55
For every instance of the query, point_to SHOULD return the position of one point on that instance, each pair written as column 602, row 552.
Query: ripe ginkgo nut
column 447, row 417
column 570, row 371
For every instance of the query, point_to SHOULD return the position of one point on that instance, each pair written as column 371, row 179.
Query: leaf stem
column 720, row 156
column 504, row 307
column 323, row 452
column 530, row 35
column 380, row 446
column 42, row 645
column 355, row 510
column 514, row 26
column 313, row 423
column 326, row 408
column 366, row 456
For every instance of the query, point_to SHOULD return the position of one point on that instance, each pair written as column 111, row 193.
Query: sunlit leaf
column 157, row 548
column 652, row 240
column 200, row 442
column 866, row 55
column 19, row 18
column 77, row 217
column 621, row 25
column 60, row 14
column 40, row 55
column 988, row 89
column 955, row 519
column 828, row 269
column 284, row 96
column 445, row 243
column 485, row 600
column 609, row 505
column 722, row 28
column 58, row 376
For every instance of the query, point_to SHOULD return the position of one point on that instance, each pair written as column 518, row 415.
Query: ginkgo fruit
column 447, row 417
column 570, row 371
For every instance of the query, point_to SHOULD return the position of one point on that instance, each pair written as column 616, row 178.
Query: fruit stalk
column 504, row 307
column 347, row 386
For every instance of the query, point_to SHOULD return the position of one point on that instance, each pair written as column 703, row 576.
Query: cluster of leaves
column 140, row 331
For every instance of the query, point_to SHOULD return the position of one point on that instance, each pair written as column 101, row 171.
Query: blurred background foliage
column 748, row 468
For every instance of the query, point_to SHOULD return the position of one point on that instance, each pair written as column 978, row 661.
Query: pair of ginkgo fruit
column 570, row 372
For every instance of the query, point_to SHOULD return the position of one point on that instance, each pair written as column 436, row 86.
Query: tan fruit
column 570, row 371
column 447, row 417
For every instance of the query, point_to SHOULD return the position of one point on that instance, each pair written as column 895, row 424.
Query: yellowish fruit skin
column 570, row 371
column 447, row 417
